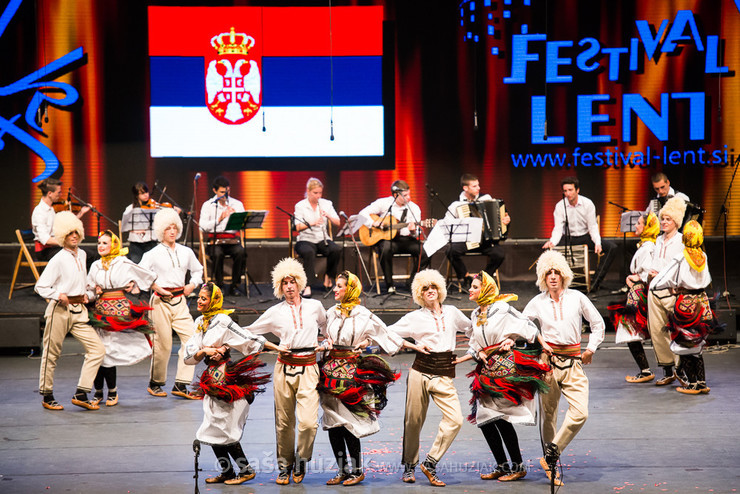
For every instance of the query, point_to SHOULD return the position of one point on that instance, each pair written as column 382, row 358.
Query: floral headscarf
column 115, row 249
column 693, row 238
column 489, row 294
column 351, row 295
column 651, row 230
column 214, row 306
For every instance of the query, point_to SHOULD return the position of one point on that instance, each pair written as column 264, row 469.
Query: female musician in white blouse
column 311, row 216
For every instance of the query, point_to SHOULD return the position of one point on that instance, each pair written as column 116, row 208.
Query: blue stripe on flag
column 178, row 81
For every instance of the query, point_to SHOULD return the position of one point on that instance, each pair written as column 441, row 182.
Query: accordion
column 492, row 212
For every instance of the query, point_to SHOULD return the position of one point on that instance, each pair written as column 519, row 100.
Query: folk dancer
column 228, row 388
column 42, row 219
column 630, row 316
column 297, row 323
column 352, row 387
column 434, row 328
column 580, row 215
column 668, row 246
column 692, row 318
column 316, row 211
column 402, row 210
column 63, row 284
column 490, row 248
column 170, row 261
column 214, row 215
column 121, row 325
column 560, row 311
column 506, row 378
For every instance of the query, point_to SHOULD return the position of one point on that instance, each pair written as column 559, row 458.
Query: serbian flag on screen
column 266, row 81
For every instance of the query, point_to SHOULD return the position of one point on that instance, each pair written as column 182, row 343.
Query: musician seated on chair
column 582, row 227
column 311, row 215
column 488, row 246
column 663, row 191
column 396, row 219
column 42, row 219
column 214, row 215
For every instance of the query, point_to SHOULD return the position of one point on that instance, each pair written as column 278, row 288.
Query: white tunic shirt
column 171, row 265
column 437, row 331
column 581, row 220
column 42, row 222
column 121, row 272
column 665, row 250
column 211, row 211
column 642, row 260
column 66, row 273
column 502, row 321
column 305, row 212
column 359, row 326
column 296, row 326
column 380, row 207
column 679, row 274
column 560, row 322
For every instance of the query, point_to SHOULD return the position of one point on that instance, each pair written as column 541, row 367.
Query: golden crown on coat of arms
column 232, row 43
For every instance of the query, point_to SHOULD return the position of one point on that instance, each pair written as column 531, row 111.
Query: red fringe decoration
column 632, row 311
column 692, row 320
column 134, row 321
column 240, row 381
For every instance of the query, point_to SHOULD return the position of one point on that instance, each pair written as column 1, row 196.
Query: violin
column 67, row 206
column 152, row 204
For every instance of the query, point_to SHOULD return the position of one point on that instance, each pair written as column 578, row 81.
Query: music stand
column 453, row 230
column 138, row 219
column 247, row 220
column 351, row 226
column 627, row 224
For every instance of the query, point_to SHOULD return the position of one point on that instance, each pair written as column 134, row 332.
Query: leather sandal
column 544, row 466
column 241, row 478
column 283, row 477
column 220, row 479
column 495, row 474
column 52, row 405
column 431, row 474
column 156, row 391
column 90, row 405
column 354, row 478
column 337, row 479
column 112, row 400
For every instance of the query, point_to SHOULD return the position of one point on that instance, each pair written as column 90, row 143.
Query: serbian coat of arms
column 233, row 82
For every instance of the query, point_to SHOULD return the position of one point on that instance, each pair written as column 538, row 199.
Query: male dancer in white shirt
column 297, row 322
column 433, row 327
column 560, row 311
column 171, row 261
column 63, row 283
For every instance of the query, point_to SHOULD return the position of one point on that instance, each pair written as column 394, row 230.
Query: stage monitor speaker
column 728, row 334
column 16, row 332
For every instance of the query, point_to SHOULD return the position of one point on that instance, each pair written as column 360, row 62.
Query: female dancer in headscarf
column 631, row 315
column 121, row 325
column 227, row 387
column 506, row 378
column 352, row 386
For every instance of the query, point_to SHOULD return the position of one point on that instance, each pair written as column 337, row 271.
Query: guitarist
column 488, row 247
column 391, row 210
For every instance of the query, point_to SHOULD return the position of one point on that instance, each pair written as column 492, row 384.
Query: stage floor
column 638, row 438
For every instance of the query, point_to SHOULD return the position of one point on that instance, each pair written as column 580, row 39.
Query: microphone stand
column 196, row 450
column 93, row 209
column 723, row 212
column 566, row 233
column 623, row 273
column 189, row 214
column 434, row 195
column 388, row 214
column 348, row 226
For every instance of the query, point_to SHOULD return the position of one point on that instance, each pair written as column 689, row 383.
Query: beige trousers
column 165, row 318
column 573, row 384
column 419, row 387
column 660, row 304
column 296, row 397
column 61, row 320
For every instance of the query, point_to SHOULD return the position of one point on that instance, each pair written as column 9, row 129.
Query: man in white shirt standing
column 488, row 247
column 297, row 322
column 214, row 215
column 560, row 311
column 42, row 219
column 171, row 261
column 63, row 283
column 575, row 224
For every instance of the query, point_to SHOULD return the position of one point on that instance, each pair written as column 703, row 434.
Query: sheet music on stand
column 246, row 220
column 351, row 226
column 628, row 221
column 462, row 230
column 138, row 219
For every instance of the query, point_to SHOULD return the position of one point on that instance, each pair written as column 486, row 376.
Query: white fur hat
column 552, row 259
column 674, row 208
column 164, row 218
column 66, row 222
column 287, row 267
column 427, row 277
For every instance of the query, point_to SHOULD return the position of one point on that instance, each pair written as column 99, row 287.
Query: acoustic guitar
column 371, row 235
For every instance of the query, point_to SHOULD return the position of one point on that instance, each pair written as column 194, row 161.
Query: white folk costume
column 171, row 313
column 661, row 302
column 121, row 325
column 560, row 326
column 66, row 274
column 296, row 375
column 431, row 376
column 692, row 318
column 630, row 316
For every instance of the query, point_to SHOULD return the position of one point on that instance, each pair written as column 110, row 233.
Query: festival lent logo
column 233, row 82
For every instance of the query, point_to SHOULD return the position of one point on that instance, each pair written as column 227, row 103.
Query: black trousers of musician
column 238, row 255
column 307, row 252
column 610, row 252
column 46, row 254
column 401, row 245
column 136, row 250
column 492, row 250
